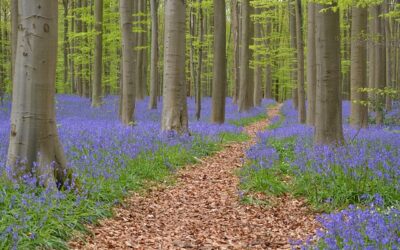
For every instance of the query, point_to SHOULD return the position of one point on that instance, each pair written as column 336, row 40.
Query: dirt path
column 203, row 211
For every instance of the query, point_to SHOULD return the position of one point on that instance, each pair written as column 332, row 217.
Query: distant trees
column 106, row 50
column 34, row 136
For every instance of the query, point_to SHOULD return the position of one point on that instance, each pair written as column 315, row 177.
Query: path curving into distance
column 203, row 211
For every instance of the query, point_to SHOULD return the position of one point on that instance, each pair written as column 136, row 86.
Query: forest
column 200, row 124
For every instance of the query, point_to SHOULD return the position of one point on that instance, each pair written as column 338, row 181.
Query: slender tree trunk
column 257, row 96
column 328, row 120
column 128, row 84
column 244, row 103
column 192, row 65
column 79, row 82
column 219, row 71
column 200, row 63
column 34, row 141
column 300, row 63
column 311, row 66
column 154, row 55
column 65, row 44
column 98, row 55
column 388, row 38
column 293, row 45
column 236, row 51
column 174, row 115
column 359, row 109
column 72, row 50
column 139, row 9
column 379, row 62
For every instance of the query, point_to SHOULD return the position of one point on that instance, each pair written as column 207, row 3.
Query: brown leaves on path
column 203, row 211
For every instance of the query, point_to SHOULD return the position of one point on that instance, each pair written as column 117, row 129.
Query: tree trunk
column 140, row 85
column 244, row 103
column 311, row 66
column 388, row 50
column 257, row 95
column 219, row 70
column 154, row 55
column 359, row 109
column 128, row 84
column 34, row 137
column 86, row 67
column 379, row 62
column 300, row 63
column 78, row 74
column 174, row 115
column 66, row 44
column 200, row 63
column 328, row 123
column 98, row 55
column 236, row 50
column 293, row 45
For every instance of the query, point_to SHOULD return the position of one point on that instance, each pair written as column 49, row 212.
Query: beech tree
column 34, row 136
column 174, row 113
column 245, row 99
column 300, row 63
column 359, row 109
column 98, row 55
column 311, row 65
column 154, row 55
column 128, row 84
column 328, row 116
column 219, row 71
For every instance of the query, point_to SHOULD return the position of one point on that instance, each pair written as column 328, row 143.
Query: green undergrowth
column 248, row 120
column 325, row 193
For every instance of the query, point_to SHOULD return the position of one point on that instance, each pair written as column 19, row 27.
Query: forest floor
column 205, row 210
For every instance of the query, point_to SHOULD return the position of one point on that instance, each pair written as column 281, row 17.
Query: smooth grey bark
column 379, row 62
column 358, row 73
column 98, row 55
column 236, row 50
column 78, row 75
column 154, row 55
column 244, row 102
column 140, row 51
column 293, row 45
column 192, row 64
column 34, row 136
column 174, row 114
column 219, row 70
column 388, row 51
column 128, row 84
column 328, row 123
column 257, row 96
column 86, row 66
column 66, row 43
column 300, row 63
column 311, row 65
